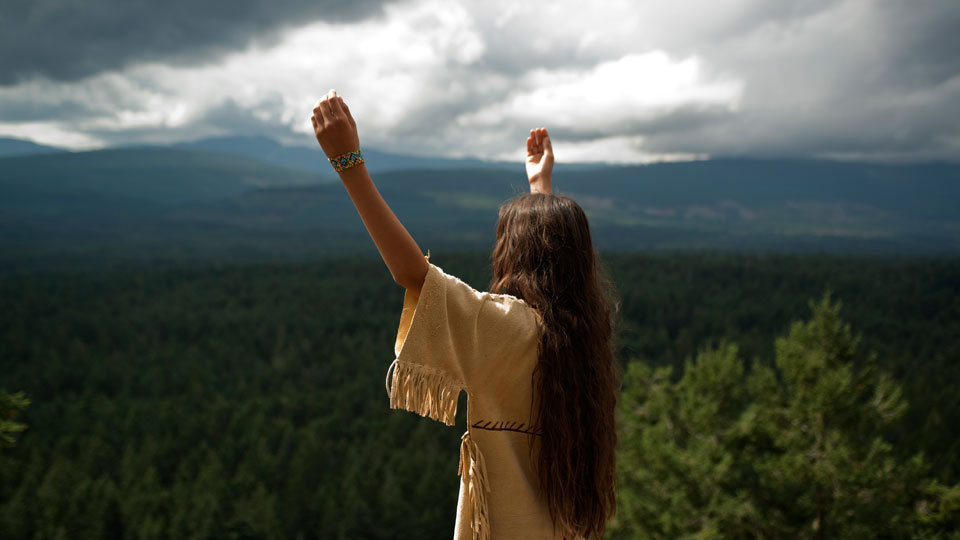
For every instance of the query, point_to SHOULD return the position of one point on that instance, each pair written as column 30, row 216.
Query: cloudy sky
column 623, row 81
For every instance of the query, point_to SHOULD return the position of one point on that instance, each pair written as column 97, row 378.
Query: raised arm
column 336, row 132
column 539, row 161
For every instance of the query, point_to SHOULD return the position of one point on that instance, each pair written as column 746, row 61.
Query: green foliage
column 940, row 511
column 247, row 401
column 10, row 406
column 788, row 450
column 677, row 475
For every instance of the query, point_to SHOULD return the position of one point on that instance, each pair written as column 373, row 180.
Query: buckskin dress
column 453, row 338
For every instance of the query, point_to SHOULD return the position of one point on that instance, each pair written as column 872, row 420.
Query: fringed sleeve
column 451, row 338
column 423, row 390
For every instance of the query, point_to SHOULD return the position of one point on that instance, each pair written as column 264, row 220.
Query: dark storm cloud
column 225, row 118
column 680, row 121
column 882, row 82
column 868, row 132
column 925, row 41
column 875, row 79
column 32, row 110
column 68, row 40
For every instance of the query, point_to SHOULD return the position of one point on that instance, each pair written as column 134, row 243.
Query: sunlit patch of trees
column 786, row 449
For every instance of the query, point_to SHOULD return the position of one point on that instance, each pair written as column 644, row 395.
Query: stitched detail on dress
column 506, row 425
column 423, row 390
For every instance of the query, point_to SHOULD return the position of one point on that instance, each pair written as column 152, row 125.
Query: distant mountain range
column 252, row 196
column 304, row 158
column 312, row 158
column 17, row 147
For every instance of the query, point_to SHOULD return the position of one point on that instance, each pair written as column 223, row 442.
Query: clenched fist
column 334, row 126
column 539, row 161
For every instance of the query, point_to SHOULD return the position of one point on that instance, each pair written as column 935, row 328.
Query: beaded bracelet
column 347, row 160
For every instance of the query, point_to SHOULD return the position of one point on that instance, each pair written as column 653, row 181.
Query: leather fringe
column 473, row 471
column 423, row 391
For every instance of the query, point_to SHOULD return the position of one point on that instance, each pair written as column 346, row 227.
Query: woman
column 534, row 355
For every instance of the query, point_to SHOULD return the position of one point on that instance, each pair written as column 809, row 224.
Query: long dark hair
column 545, row 256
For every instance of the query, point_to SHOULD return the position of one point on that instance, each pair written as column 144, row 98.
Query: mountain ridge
column 19, row 147
column 175, row 197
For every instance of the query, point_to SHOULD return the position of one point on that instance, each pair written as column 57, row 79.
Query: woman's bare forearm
column 398, row 249
column 336, row 131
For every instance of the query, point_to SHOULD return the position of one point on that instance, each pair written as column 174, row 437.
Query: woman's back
column 451, row 338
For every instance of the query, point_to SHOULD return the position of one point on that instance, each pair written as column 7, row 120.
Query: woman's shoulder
column 455, row 282
column 499, row 304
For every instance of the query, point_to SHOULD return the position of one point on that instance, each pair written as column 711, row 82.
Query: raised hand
column 334, row 126
column 539, row 161
column 336, row 132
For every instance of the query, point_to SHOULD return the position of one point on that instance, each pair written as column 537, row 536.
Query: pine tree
column 789, row 449
column 10, row 407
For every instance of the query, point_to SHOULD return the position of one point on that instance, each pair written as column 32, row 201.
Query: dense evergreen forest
column 247, row 400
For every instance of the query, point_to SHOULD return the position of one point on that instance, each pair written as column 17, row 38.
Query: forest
column 764, row 396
